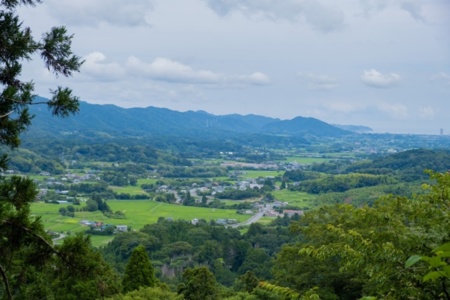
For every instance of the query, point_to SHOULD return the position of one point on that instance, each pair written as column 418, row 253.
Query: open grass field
column 261, row 173
column 300, row 199
column 306, row 160
column 129, row 189
column 138, row 213
column 266, row 220
column 146, row 181
column 100, row 240
column 232, row 202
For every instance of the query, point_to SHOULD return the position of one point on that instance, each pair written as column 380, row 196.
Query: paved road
column 60, row 237
column 255, row 217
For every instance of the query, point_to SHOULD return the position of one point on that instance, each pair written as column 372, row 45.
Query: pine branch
column 42, row 240
column 6, row 282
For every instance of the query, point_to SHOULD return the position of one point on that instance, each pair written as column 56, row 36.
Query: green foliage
column 289, row 294
column 148, row 293
column 407, row 165
column 87, row 277
column 18, row 45
column 24, row 245
column 341, row 183
column 368, row 246
column 238, row 194
column 198, row 283
column 247, row 282
column 438, row 267
column 139, row 271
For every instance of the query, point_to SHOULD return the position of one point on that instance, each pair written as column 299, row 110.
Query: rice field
column 138, row 213
column 300, row 199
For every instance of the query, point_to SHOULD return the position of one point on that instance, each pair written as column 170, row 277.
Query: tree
column 364, row 249
column 17, row 45
column 247, row 282
column 198, row 283
column 88, row 275
column 62, row 211
column 438, row 267
column 148, row 293
column 24, row 246
column 139, row 271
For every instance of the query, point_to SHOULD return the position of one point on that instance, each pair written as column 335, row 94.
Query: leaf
column 432, row 276
column 443, row 248
column 413, row 260
column 436, row 262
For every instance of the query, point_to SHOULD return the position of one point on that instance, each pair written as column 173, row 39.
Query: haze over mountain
column 116, row 121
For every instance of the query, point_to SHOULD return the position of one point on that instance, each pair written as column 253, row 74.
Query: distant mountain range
column 111, row 120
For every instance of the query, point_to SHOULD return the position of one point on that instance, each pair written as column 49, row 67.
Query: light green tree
column 148, row 293
column 368, row 246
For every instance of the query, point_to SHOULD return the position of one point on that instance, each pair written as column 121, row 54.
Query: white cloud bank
column 163, row 69
column 375, row 79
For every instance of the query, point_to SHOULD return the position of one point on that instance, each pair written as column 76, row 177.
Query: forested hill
column 112, row 120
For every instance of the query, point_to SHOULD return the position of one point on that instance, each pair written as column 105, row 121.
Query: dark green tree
column 17, row 45
column 88, row 275
column 198, row 283
column 24, row 246
column 139, row 271
column 247, row 282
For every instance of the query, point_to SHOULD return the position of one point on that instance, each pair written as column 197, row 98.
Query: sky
column 384, row 64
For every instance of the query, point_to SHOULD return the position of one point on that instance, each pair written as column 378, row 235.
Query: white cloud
column 96, row 12
column 321, row 17
column 441, row 77
column 376, row 79
column 96, row 65
column 168, row 70
column 319, row 82
column 164, row 69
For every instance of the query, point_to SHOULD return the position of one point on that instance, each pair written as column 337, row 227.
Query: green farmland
column 138, row 213
column 261, row 173
column 306, row 160
column 300, row 199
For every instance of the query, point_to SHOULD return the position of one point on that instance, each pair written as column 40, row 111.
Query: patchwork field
column 300, row 199
column 138, row 213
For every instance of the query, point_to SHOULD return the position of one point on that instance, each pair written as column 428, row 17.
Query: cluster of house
column 100, row 226
column 70, row 177
column 226, row 221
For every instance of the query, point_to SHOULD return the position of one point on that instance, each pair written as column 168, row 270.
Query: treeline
column 365, row 181
column 341, row 183
column 176, row 245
